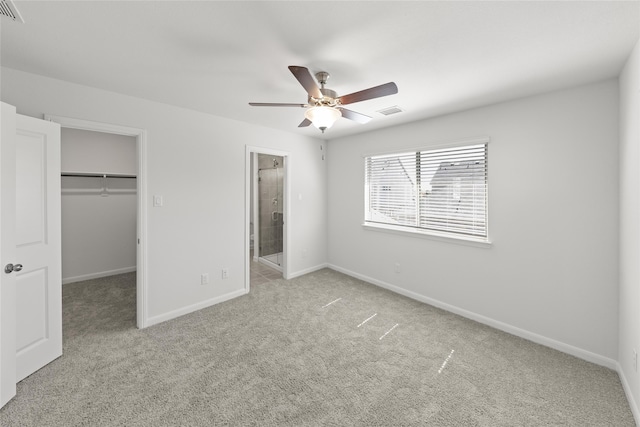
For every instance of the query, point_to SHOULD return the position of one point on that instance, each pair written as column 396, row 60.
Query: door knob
column 11, row 268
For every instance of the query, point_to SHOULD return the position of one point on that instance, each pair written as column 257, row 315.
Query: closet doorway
column 268, row 207
column 103, row 214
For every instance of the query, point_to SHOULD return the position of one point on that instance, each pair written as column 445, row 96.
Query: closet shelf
column 100, row 192
column 98, row 175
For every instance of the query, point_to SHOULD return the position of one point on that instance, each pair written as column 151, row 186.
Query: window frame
column 414, row 231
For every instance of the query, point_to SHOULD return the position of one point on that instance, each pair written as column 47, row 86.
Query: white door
column 36, row 289
column 38, row 245
column 7, row 254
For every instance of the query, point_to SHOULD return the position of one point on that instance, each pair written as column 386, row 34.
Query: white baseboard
column 217, row 300
column 629, row 394
column 97, row 275
column 194, row 307
column 531, row 336
column 306, row 271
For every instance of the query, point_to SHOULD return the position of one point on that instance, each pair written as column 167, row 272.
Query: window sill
column 430, row 235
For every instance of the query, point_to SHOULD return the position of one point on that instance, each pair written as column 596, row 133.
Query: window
column 440, row 191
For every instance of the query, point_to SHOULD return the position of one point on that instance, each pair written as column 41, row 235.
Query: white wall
column 98, row 231
column 97, row 152
column 630, row 226
column 551, row 272
column 197, row 162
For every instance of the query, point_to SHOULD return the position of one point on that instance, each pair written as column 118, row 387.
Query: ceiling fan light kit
column 323, row 105
column 323, row 117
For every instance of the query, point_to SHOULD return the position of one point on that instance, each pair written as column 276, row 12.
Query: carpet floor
column 323, row 349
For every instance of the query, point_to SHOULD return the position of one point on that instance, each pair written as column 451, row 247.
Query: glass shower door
column 270, row 185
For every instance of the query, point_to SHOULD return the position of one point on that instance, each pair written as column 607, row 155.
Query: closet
column 99, row 204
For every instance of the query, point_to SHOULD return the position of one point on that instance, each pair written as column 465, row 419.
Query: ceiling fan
column 324, row 106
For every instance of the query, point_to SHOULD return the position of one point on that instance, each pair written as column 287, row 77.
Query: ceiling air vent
column 390, row 110
column 9, row 9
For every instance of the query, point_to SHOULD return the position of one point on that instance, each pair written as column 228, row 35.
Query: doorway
column 267, row 211
column 270, row 211
column 140, row 190
column 99, row 209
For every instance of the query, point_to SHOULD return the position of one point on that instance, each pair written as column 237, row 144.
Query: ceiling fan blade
column 275, row 104
column 373, row 92
column 307, row 81
column 352, row 115
column 305, row 123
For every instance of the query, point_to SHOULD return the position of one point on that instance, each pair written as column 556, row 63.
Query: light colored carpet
column 291, row 354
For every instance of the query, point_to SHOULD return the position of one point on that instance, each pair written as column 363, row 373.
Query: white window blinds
column 443, row 190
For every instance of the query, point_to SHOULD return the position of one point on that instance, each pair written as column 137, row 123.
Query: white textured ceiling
column 217, row 56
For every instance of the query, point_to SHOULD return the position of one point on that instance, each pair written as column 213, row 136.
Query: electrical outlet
column 397, row 267
column 635, row 360
column 204, row 279
column 225, row 273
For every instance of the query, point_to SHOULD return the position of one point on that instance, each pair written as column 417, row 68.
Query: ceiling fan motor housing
column 329, row 98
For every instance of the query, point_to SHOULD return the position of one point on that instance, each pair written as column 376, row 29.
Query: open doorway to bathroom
column 269, row 216
column 267, row 211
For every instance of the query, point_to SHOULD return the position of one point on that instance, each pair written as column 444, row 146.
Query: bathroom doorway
column 270, row 218
column 268, row 207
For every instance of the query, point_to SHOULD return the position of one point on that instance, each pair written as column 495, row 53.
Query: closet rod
column 97, row 175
